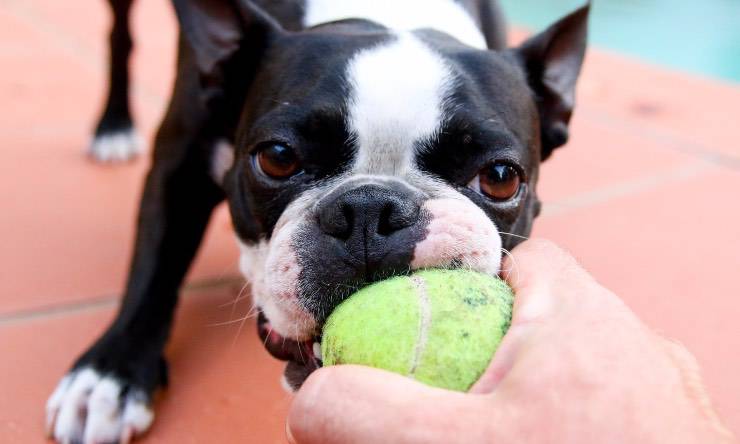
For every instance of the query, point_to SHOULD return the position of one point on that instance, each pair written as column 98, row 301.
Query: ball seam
column 425, row 319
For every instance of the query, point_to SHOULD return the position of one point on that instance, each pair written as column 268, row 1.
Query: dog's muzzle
column 349, row 238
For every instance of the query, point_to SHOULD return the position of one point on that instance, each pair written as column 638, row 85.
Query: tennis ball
column 440, row 327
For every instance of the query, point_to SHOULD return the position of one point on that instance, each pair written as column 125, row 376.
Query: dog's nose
column 362, row 233
column 368, row 214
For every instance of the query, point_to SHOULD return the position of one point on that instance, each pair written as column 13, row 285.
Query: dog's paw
column 88, row 407
column 113, row 146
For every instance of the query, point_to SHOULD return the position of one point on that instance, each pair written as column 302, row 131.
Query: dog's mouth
column 303, row 356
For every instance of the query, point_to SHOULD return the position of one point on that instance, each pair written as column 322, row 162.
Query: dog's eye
column 277, row 161
column 498, row 181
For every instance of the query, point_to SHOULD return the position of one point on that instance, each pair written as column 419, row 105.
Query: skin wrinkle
column 693, row 385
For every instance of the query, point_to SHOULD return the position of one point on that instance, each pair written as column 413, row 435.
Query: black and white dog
column 352, row 139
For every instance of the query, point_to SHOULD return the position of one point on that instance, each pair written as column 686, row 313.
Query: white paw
column 116, row 146
column 89, row 408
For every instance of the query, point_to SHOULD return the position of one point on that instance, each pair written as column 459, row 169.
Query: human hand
column 575, row 366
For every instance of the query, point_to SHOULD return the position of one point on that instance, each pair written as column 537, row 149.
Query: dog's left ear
column 227, row 39
column 552, row 62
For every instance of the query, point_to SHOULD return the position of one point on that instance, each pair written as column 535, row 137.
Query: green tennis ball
column 440, row 327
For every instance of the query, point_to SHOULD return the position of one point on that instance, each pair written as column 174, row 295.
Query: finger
column 532, row 270
column 535, row 262
column 507, row 354
column 541, row 274
column 352, row 404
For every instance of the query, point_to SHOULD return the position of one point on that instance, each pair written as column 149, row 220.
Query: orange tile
column 69, row 234
column 41, row 34
column 35, row 95
column 80, row 30
column 224, row 386
column 672, row 254
column 696, row 114
column 601, row 156
column 155, row 37
column 68, row 223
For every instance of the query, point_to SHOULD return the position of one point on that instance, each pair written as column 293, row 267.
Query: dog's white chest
column 404, row 15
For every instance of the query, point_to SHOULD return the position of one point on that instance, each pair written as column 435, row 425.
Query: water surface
column 699, row 36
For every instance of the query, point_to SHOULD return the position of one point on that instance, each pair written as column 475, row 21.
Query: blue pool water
column 699, row 36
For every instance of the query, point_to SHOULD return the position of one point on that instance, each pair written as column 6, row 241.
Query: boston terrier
column 353, row 140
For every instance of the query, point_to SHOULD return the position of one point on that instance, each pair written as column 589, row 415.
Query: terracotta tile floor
column 646, row 195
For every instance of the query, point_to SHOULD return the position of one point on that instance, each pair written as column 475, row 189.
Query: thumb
column 353, row 404
column 532, row 270
column 535, row 271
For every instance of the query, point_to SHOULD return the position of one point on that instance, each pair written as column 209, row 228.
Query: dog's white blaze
column 397, row 94
column 404, row 15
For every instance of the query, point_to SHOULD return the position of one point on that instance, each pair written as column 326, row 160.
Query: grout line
column 666, row 138
column 211, row 283
column 103, row 302
column 550, row 209
column 98, row 303
column 623, row 189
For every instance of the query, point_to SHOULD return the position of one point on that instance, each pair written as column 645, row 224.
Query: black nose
column 368, row 214
column 362, row 234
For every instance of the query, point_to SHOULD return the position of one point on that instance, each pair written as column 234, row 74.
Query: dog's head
column 360, row 152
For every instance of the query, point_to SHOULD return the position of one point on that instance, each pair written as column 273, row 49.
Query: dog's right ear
column 225, row 36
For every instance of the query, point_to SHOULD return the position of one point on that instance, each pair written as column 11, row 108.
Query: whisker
column 267, row 337
column 300, row 352
column 514, row 265
column 241, row 326
column 514, row 235
column 234, row 321
column 236, row 299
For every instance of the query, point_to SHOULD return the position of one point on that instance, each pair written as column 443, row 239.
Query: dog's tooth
column 317, row 350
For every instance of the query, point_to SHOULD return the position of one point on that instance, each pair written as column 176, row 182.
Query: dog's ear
column 225, row 36
column 552, row 61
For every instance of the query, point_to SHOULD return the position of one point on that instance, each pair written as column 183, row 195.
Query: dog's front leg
column 106, row 397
